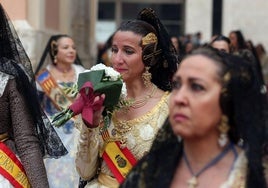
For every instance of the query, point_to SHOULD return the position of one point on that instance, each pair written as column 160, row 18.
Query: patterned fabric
column 50, row 143
column 18, row 123
column 21, row 116
column 61, row 172
column 164, row 157
column 139, row 138
column 237, row 177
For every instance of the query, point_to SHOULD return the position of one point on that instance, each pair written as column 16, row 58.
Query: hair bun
column 147, row 14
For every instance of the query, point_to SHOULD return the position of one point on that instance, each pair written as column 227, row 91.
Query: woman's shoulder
column 78, row 68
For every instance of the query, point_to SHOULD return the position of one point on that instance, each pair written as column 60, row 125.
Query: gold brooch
column 148, row 39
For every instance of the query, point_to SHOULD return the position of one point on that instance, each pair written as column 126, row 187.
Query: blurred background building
column 91, row 22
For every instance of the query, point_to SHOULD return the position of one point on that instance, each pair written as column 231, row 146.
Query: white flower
column 109, row 71
column 99, row 66
column 114, row 75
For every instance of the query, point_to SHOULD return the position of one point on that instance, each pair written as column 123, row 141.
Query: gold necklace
column 121, row 128
column 64, row 72
column 140, row 103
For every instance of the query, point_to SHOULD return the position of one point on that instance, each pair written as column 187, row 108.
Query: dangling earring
column 55, row 59
column 223, row 128
column 147, row 76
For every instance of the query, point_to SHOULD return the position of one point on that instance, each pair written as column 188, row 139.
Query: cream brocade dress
column 139, row 137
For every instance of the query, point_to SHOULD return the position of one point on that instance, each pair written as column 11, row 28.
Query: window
column 170, row 14
column 106, row 11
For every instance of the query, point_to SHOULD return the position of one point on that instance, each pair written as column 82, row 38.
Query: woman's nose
column 180, row 96
column 117, row 58
column 72, row 50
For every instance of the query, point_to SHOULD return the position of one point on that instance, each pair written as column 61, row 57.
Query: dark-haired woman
column 221, row 43
column 143, row 54
column 216, row 133
column 26, row 135
column 56, row 73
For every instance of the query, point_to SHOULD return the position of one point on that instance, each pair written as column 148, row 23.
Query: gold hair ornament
column 227, row 77
column 149, row 39
column 157, row 52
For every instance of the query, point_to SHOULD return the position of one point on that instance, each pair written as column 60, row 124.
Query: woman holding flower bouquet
column 56, row 74
column 143, row 54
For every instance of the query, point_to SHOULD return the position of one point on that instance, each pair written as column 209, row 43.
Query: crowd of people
column 234, row 43
column 197, row 115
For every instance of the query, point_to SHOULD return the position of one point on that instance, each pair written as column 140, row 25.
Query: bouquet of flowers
column 99, row 80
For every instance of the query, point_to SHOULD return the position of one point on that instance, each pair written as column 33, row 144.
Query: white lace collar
column 3, row 82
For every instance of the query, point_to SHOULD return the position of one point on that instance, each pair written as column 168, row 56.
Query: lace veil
column 162, row 72
column 246, row 107
column 14, row 61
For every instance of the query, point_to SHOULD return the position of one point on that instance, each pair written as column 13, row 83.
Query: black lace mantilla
column 14, row 61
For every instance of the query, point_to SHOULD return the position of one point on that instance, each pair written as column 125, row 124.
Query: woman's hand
column 97, row 115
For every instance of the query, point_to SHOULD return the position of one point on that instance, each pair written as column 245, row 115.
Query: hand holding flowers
column 93, row 83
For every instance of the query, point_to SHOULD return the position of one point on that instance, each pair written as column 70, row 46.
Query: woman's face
column 221, row 45
column 194, row 102
column 233, row 39
column 126, row 55
column 66, row 50
column 189, row 47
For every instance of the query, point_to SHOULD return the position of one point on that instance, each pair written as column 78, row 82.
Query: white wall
column 251, row 17
column 198, row 17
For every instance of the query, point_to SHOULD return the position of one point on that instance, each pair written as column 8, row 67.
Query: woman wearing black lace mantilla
column 216, row 133
column 26, row 135
column 143, row 54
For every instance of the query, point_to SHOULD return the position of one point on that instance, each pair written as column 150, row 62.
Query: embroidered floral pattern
column 140, row 136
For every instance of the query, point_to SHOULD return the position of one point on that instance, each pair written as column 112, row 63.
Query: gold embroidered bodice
column 139, row 133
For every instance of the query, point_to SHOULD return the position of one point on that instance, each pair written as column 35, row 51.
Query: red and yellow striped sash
column 11, row 168
column 119, row 159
